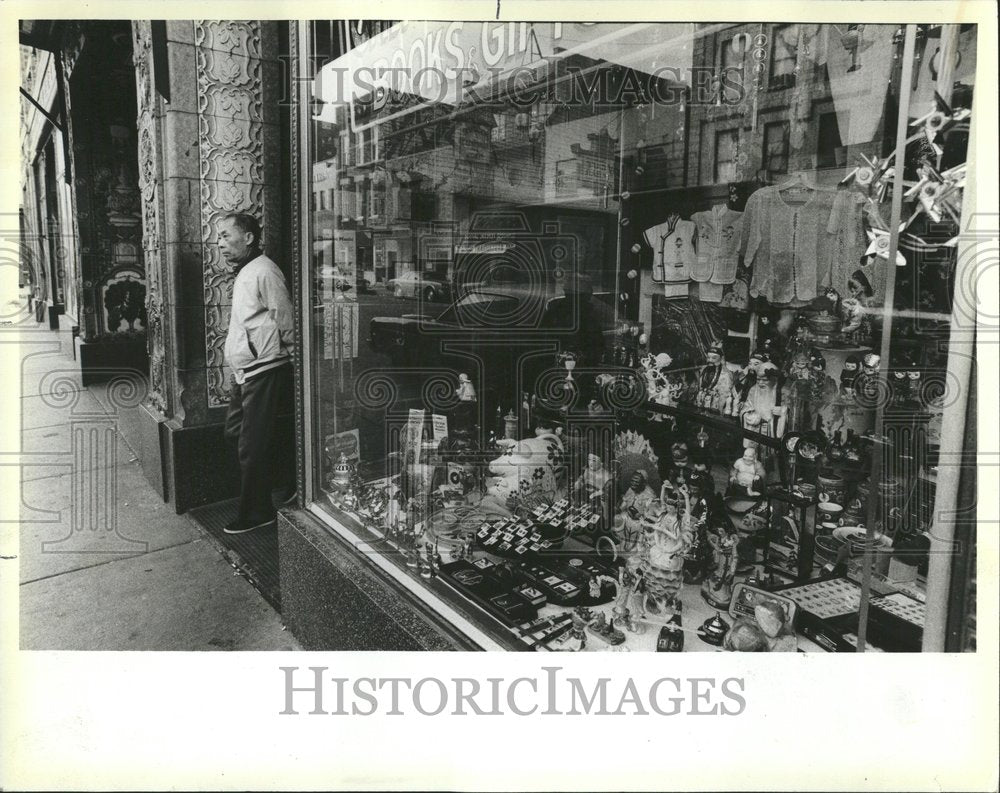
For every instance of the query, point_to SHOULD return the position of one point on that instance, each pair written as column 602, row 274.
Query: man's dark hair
column 246, row 223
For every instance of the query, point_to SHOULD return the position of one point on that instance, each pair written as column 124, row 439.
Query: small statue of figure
column 576, row 639
column 848, row 375
column 465, row 392
column 672, row 538
column 632, row 507
column 591, row 484
column 763, row 411
column 867, row 384
column 854, row 308
column 715, row 381
column 717, row 590
column 747, row 472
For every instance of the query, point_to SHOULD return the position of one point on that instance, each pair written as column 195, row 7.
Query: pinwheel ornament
column 939, row 120
column 938, row 195
column 873, row 176
column 879, row 246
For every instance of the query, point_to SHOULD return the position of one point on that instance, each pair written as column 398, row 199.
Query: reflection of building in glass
column 817, row 101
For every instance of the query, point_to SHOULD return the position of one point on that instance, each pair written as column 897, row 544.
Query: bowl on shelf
column 824, row 324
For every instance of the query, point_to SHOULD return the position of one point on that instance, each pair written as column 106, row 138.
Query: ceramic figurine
column 715, row 381
column 672, row 538
column 913, row 388
column 848, row 375
column 867, row 384
column 575, row 639
column 747, row 472
column 632, row 508
column 802, row 339
column 605, row 630
column 591, row 484
column 649, row 374
column 798, row 367
column 465, row 391
column 748, row 379
column 854, row 308
column 763, row 410
column 717, row 590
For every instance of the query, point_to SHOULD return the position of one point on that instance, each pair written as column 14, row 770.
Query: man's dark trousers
column 264, row 446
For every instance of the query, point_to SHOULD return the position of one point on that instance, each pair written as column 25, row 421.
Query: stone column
column 213, row 148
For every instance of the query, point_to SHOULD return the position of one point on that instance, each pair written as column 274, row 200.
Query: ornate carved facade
column 151, row 197
column 230, row 135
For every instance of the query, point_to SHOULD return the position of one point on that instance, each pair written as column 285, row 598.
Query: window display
column 642, row 334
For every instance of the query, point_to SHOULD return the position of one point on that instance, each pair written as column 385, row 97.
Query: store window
column 776, row 147
column 830, row 151
column 726, row 146
column 784, row 55
column 598, row 353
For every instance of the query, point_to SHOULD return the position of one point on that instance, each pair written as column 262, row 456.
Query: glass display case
column 643, row 336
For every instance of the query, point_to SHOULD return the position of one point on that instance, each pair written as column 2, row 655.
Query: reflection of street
column 404, row 385
column 370, row 391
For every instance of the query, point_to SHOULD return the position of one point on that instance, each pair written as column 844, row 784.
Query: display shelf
column 714, row 420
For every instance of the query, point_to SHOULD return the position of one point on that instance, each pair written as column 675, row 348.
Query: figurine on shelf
column 465, row 392
column 596, row 584
column 605, row 630
column 626, row 578
column 848, row 375
column 798, row 367
column 771, row 618
column 632, row 507
column 746, row 380
column 649, row 375
column 658, row 381
column 763, row 411
column 717, row 590
column 802, row 340
column 854, row 312
column 715, row 381
column 594, row 483
column 747, row 473
column 868, row 384
column 576, row 639
column 817, row 395
column 678, row 467
column 913, row 388
column 672, row 538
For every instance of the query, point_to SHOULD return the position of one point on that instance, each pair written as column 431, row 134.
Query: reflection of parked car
column 342, row 281
column 486, row 322
column 429, row 286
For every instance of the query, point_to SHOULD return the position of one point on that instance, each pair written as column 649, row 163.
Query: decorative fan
column 632, row 453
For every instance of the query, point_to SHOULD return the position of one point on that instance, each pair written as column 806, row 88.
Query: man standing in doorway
column 259, row 348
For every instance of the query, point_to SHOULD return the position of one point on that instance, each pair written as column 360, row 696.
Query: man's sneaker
column 236, row 527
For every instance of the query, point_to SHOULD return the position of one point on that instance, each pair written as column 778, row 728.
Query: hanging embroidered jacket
column 719, row 235
column 792, row 245
column 673, row 250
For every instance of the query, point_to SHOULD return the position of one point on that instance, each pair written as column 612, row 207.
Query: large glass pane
column 598, row 317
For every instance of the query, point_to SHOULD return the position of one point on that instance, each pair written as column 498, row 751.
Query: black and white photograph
column 376, row 352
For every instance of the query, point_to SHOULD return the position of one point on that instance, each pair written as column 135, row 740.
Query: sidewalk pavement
column 104, row 563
